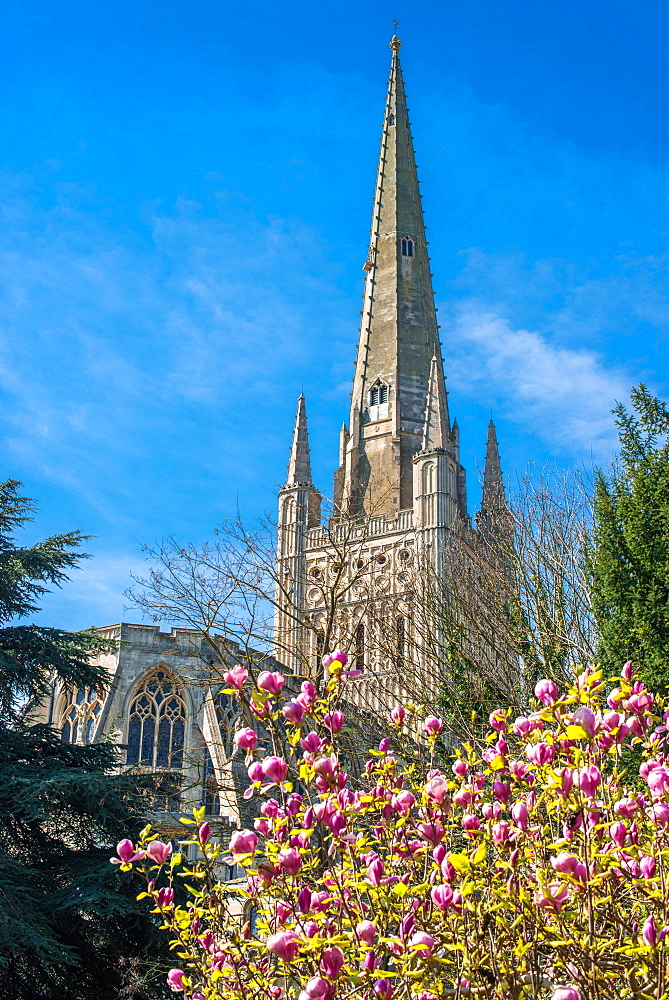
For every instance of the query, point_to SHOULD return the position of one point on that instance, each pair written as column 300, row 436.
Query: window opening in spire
column 79, row 717
column 407, row 246
column 157, row 723
column 378, row 401
column 320, row 645
column 360, row 647
column 391, row 119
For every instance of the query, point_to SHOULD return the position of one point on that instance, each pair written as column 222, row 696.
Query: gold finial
column 395, row 43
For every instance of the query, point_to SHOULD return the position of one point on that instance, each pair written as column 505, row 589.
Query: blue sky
column 185, row 192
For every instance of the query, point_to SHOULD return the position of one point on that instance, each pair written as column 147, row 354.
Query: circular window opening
column 405, row 555
column 316, row 573
column 382, row 560
column 360, row 564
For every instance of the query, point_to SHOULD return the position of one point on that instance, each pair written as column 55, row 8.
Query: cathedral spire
column 436, row 427
column 493, row 485
column 299, row 466
column 398, row 334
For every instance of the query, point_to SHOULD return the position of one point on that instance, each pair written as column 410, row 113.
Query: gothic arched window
column 157, row 723
column 79, row 718
column 360, row 647
column 391, row 119
column 407, row 246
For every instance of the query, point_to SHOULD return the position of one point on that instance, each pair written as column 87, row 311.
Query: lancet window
column 79, row 718
column 400, row 642
column 407, row 246
column 157, row 723
column 360, row 647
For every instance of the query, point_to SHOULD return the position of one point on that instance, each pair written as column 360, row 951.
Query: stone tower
column 400, row 490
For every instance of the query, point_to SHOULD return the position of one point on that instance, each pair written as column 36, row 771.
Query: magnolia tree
column 536, row 868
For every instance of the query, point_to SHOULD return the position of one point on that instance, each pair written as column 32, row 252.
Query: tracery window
column 407, row 246
column 79, row 719
column 157, row 723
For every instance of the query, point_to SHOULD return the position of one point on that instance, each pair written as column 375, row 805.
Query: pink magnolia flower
column 334, row 721
column 565, row 993
column 460, row 768
column 546, row 691
column 317, row 987
column 564, row 863
column 340, row 655
column 659, row 814
column 552, row 897
column 441, row 896
column 626, row 807
column 520, row 815
column 471, row 824
column 398, row 714
column 437, row 788
column 497, row 719
column 366, row 931
column 158, row 852
column 243, row 842
column 432, row 832
column 647, row 866
column 293, row 712
column 312, row 743
column 307, row 695
column 463, row 797
column 374, row 872
column 501, row 791
column 332, row 962
column 284, row 945
column 403, row 802
column 588, row 779
column 275, row 769
column 236, row 678
column 304, row 897
column 432, row 725
column 585, row 718
column 204, row 833
column 126, row 853
column 165, row 896
column 649, row 932
column 246, row 739
column 290, row 860
column 423, row 943
column 618, row 834
column 540, row 753
column 500, row 832
column 383, row 989
column 175, row 980
column 271, row 681
column 255, row 771
column 522, row 726
column 658, row 781
column 626, row 672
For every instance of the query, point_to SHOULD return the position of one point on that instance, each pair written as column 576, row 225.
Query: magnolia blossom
column 246, row 739
column 243, row 842
column 236, row 678
column 175, row 980
column 366, row 931
column 284, row 945
column 126, row 853
column 275, row 768
column 546, row 691
column 158, row 851
column 271, row 681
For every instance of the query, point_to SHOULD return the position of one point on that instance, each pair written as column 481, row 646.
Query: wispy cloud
column 564, row 395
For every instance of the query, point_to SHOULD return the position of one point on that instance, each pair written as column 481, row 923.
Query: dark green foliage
column 70, row 926
column 629, row 557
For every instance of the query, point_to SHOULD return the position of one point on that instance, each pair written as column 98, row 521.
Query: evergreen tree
column 69, row 928
column 629, row 555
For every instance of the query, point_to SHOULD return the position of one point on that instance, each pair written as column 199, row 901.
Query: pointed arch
column 157, row 721
column 78, row 715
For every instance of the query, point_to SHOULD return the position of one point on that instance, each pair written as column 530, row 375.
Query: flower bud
column 275, row 769
column 284, row 945
column 271, row 681
column 546, row 691
column 246, row 739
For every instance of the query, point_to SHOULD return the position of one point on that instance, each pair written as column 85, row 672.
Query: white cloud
column 564, row 395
